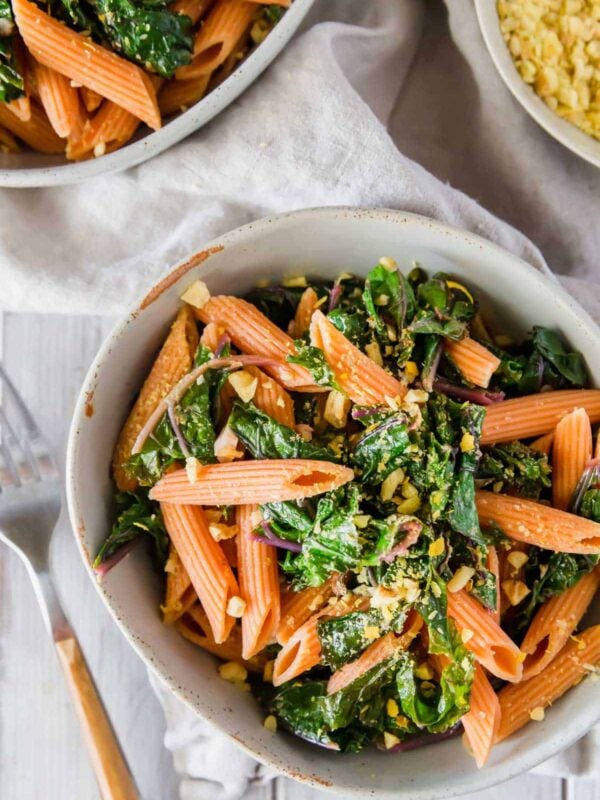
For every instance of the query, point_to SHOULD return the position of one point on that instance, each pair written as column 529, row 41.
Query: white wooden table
column 41, row 752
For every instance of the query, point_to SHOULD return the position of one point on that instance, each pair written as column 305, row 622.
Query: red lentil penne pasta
column 536, row 414
column 180, row 595
column 258, row 575
column 555, row 622
column 248, row 482
column 254, row 334
column 297, row 607
column 91, row 100
column 110, row 128
column 173, row 362
column 205, row 563
column 544, row 443
column 272, row 398
column 195, row 627
column 78, row 58
column 216, row 39
column 375, row 653
column 304, row 311
column 302, row 651
column 36, row 132
column 571, row 452
column 534, row 523
column 364, row 381
column 194, row 9
column 474, row 361
column 597, row 447
column 482, row 722
column 527, row 700
column 283, row 3
column 8, row 143
column 482, row 635
column 21, row 108
column 59, row 99
column 176, row 95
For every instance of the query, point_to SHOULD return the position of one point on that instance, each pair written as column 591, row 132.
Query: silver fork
column 30, row 505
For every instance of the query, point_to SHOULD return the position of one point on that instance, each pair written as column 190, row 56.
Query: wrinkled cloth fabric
column 393, row 104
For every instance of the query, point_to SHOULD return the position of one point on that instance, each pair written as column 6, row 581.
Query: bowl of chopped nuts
column 549, row 58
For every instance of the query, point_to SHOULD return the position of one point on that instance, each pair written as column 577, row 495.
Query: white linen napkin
column 313, row 132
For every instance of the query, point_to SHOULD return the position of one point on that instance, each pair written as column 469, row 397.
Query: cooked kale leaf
column 314, row 360
column 517, row 467
column 11, row 80
column 590, row 505
column 463, row 512
column 380, row 450
column 136, row 514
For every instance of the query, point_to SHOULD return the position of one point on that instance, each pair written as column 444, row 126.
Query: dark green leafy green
column 264, row 437
column 465, row 552
column 519, row 469
column 314, row 360
column 380, row 450
column 388, row 296
column 463, row 512
column 590, row 505
column 11, row 79
column 136, row 514
column 569, row 366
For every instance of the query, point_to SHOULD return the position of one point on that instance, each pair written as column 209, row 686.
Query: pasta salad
column 379, row 511
column 79, row 78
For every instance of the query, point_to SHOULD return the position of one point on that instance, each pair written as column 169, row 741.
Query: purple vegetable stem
column 102, row 569
column 177, row 431
column 334, row 296
column 479, row 396
column 224, row 340
column 275, row 541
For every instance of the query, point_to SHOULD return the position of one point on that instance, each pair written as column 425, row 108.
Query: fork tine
column 34, row 445
column 15, row 452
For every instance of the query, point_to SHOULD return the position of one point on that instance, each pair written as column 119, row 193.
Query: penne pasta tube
column 21, row 108
column 272, row 398
column 194, row 9
column 176, row 95
column 571, row 452
column 59, row 99
column 205, row 563
column 536, row 414
column 79, row 58
column 364, row 381
column 91, row 100
column 195, row 627
column 250, row 482
column 525, row 701
column 36, row 132
column 482, row 635
column 302, row 651
column 173, row 362
column 180, row 595
column 304, row 311
column 474, row 361
column 482, row 722
column 8, row 143
column 111, row 127
column 555, row 622
column 543, row 444
column 254, row 334
column 297, row 607
column 217, row 37
column 258, row 575
column 534, row 523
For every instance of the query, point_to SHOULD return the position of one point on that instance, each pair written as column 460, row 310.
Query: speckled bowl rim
column 564, row 132
column 176, row 129
column 478, row 780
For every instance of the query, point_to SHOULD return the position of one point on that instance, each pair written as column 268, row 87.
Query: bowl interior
column 567, row 134
column 38, row 169
column 322, row 242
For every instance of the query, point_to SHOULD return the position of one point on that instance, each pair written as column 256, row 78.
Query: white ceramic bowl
column 319, row 242
column 37, row 169
column 567, row 134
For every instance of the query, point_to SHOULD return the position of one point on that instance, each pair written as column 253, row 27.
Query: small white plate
column 26, row 169
column 567, row 134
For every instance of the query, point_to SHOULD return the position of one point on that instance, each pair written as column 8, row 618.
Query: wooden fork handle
column 111, row 770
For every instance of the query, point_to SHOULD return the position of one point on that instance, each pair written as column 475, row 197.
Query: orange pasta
column 248, row 482
column 203, row 559
column 597, row 447
column 482, row 635
column 254, row 334
column 474, row 361
column 211, row 336
column 173, row 362
column 21, row 108
column 533, row 523
column 178, row 96
column 364, row 381
column 572, row 450
column 375, row 653
column 194, row 9
column 272, row 398
column 304, row 311
column 195, row 627
column 544, row 443
column 78, row 58
column 110, row 128
column 536, row 414
column 302, row 651
column 482, row 722
column 527, row 700
column 91, row 100
column 216, row 39
column 8, row 143
column 493, row 564
column 297, row 607
column 37, row 132
column 180, row 594
column 258, row 575
column 554, row 623
column 59, row 99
